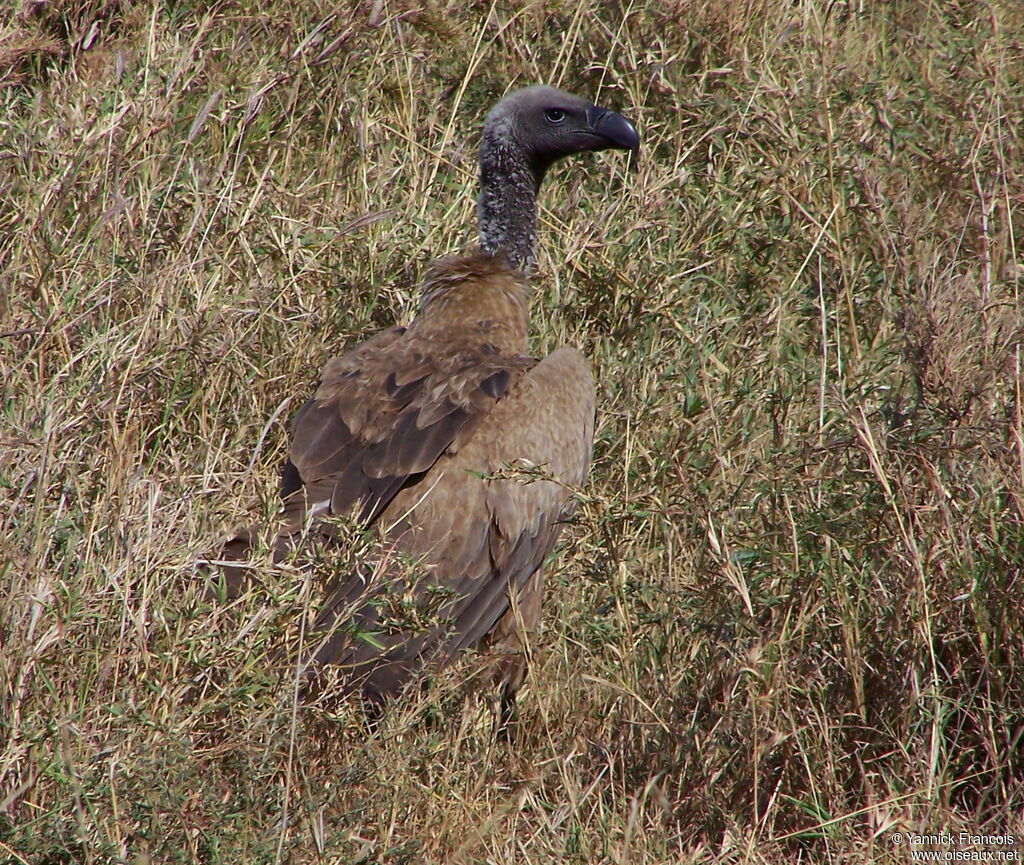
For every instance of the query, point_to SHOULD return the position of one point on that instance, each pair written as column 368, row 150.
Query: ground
column 786, row 622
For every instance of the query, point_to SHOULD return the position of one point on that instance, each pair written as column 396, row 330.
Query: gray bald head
column 524, row 134
column 548, row 124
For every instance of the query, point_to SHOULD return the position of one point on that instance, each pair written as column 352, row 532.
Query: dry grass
column 788, row 621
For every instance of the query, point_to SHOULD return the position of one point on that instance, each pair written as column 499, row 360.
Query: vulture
column 449, row 442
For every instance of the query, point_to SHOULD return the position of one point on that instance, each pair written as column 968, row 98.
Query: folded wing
column 463, row 546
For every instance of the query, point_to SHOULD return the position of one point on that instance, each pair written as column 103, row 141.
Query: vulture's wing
column 469, row 536
column 383, row 413
column 312, row 421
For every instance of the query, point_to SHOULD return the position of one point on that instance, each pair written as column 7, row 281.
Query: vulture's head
column 545, row 125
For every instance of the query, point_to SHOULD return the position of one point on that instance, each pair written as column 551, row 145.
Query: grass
column 787, row 621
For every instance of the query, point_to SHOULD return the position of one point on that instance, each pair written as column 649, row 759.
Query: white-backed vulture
column 415, row 429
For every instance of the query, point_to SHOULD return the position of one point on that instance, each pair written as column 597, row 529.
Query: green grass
column 787, row 620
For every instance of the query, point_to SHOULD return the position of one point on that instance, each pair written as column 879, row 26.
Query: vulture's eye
column 555, row 115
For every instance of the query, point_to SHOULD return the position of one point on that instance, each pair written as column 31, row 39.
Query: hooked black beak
column 613, row 128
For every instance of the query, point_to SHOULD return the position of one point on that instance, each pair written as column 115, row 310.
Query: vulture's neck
column 506, row 211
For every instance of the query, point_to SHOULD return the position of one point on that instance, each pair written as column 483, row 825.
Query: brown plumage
column 421, row 430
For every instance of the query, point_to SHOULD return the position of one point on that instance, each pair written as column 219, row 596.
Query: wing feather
column 382, row 414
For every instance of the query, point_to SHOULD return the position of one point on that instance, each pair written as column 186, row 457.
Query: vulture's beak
column 613, row 128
